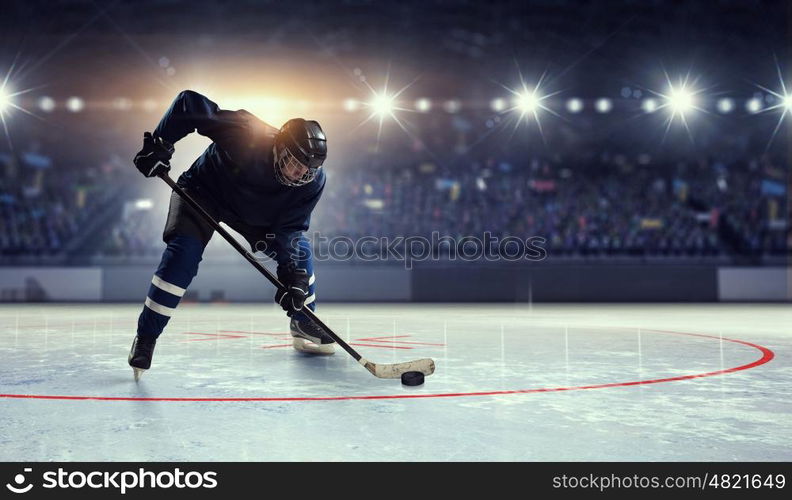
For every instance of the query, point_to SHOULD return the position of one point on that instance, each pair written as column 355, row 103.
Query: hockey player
column 262, row 182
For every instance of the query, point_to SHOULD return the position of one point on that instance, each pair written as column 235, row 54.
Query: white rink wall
column 754, row 284
column 371, row 283
column 38, row 284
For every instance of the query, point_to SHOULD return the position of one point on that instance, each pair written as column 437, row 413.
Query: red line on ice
column 383, row 340
column 403, row 342
column 387, row 337
column 767, row 356
column 381, row 346
column 255, row 333
column 213, row 336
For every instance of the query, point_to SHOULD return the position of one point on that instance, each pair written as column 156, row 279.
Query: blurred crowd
column 46, row 207
column 607, row 205
column 585, row 201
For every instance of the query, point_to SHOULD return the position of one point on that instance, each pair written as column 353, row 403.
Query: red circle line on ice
column 767, row 356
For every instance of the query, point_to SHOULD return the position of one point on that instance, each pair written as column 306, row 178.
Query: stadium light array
column 679, row 102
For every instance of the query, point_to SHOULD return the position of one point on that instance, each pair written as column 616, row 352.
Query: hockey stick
column 425, row 366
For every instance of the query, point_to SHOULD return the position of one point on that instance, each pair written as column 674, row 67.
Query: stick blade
column 425, row 366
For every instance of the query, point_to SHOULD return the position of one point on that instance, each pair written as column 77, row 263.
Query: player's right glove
column 155, row 156
column 295, row 280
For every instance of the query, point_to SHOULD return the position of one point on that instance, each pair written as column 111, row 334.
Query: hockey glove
column 154, row 158
column 292, row 299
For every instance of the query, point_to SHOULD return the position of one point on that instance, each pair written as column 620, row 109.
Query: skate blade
column 138, row 372
column 307, row 347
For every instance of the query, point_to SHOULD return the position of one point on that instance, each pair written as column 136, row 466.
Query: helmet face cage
column 285, row 161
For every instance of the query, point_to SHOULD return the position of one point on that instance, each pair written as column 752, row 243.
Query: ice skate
column 140, row 355
column 310, row 339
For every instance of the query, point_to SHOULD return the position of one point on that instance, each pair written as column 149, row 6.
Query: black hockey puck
column 412, row 378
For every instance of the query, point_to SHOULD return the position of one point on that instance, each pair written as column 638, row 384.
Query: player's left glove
column 292, row 299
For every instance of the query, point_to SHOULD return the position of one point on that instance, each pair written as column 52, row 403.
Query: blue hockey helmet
column 300, row 150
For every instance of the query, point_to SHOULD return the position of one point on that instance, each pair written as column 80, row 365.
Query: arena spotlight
column 529, row 102
column 149, row 105
column 5, row 99
column 753, row 105
column 649, row 105
column 423, row 105
column 498, row 104
column 526, row 101
column 574, row 105
column 778, row 99
column 351, row 105
column 382, row 104
column 75, row 104
column 452, row 106
column 122, row 104
column 46, row 104
column 8, row 102
column 144, row 204
column 603, row 105
column 725, row 105
column 680, row 100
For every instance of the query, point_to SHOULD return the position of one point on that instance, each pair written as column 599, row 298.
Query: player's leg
column 307, row 337
column 186, row 236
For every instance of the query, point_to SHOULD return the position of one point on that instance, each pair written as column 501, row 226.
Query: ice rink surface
column 513, row 382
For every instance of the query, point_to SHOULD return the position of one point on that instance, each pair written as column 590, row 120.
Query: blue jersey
column 237, row 170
